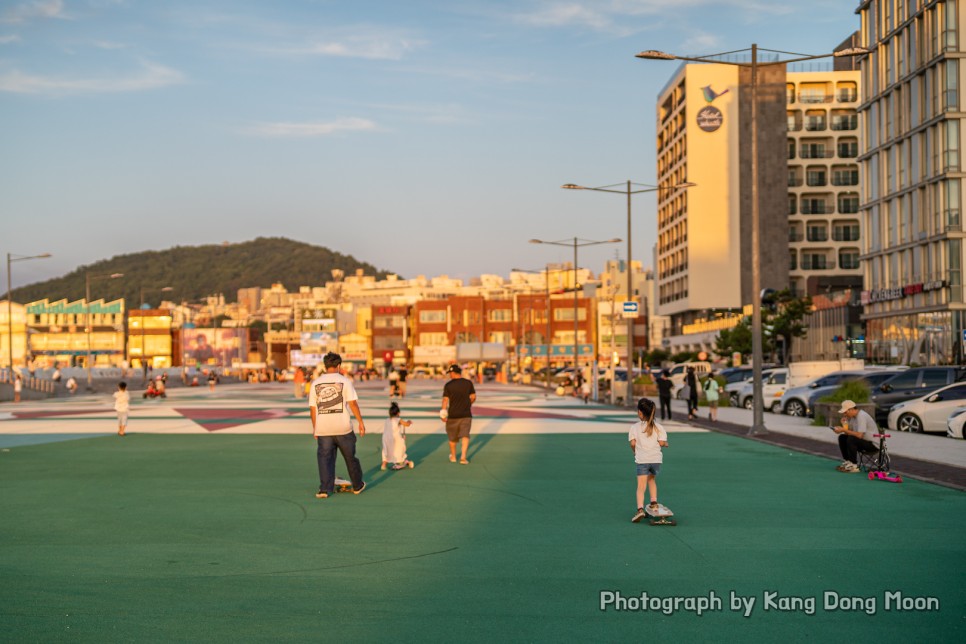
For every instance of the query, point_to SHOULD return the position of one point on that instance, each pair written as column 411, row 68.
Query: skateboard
column 342, row 485
column 892, row 477
column 660, row 516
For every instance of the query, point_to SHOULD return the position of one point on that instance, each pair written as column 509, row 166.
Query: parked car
column 929, row 413
column 732, row 389
column 772, row 388
column 800, row 401
column 679, row 372
column 956, row 423
column 912, row 383
column 871, row 378
column 735, row 374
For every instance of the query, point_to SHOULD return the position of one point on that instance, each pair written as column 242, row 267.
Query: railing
column 848, row 264
column 845, row 123
column 848, row 151
column 807, row 98
column 815, row 125
column 816, row 181
column 845, row 178
column 794, row 182
column 817, row 236
column 795, row 236
column 817, row 263
column 849, row 208
column 816, row 209
column 29, row 382
column 846, row 96
column 816, row 153
column 842, row 236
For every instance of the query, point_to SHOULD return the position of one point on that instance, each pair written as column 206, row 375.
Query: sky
column 427, row 137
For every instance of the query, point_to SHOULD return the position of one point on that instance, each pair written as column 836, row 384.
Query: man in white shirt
column 332, row 397
column 856, row 434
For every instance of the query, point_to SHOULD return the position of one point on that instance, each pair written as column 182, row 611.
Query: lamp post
column 576, row 243
column 11, row 258
column 629, row 190
column 546, row 282
column 164, row 289
column 758, row 418
column 88, row 278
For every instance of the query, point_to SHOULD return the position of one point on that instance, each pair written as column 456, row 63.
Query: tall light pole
column 576, row 243
column 629, row 190
column 758, row 418
column 11, row 258
column 88, row 278
column 164, row 289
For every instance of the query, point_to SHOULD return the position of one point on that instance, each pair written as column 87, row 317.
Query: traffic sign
column 631, row 309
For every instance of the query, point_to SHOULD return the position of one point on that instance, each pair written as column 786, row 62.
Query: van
column 679, row 371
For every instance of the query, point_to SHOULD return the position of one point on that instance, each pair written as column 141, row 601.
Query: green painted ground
column 218, row 538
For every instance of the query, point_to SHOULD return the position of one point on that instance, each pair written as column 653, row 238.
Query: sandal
column 463, row 461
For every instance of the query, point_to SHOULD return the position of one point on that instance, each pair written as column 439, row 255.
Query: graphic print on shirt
column 328, row 398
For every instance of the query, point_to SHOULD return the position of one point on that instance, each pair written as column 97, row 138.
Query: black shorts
column 457, row 428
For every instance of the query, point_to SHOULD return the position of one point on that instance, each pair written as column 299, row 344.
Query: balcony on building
column 792, row 260
column 816, row 176
column 815, row 205
column 848, row 148
column 845, row 231
column 792, row 205
column 794, row 120
column 848, row 203
column 849, row 259
column 845, row 175
column 844, row 120
column 816, row 233
column 795, row 234
column 846, row 92
column 817, row 262
column 794, row 176
column 815, row 93
column 816, row 148
column 815, row 120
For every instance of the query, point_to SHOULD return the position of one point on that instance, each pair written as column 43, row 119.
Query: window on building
column 950, row 27
column 792, row 260
column 815, row 261
column 849, row 258
column 848, row 148
column 816, row 176
column 794, row 120
column 791, row 148
column 845, row 175
column 815, row 205
column 789, row 93
column 815, row 149
column 846, row 92
column 433, row 339
column 794, row 176
column 953, row 220
column 951, row 150
column 567, row 315
column 845, row 231
column 848, row 203
column 951, row 87
column 814, row 93
column 817, row 233
column 500, row 315
column 844, row 120
column 432, row 317
column 815, row 120
column 954, row 255
column 792, row 205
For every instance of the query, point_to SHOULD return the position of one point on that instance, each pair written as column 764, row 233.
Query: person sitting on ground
column 855, row 435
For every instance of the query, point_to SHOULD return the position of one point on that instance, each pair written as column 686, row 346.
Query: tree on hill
column 194, row 272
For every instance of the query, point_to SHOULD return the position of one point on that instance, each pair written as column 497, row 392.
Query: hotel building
column 912, row 169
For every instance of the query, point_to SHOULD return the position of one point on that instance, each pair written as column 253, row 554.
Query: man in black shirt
column 664, row 387
column 458, row 398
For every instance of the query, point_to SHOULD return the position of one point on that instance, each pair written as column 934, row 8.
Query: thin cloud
column 368, row 47
column 27, row 11
column 7, row 39
column 611, row 16
column 106, row 44
column 151, row 76
column 312, row 129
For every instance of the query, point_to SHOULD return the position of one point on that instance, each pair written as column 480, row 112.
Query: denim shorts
column 648, row 468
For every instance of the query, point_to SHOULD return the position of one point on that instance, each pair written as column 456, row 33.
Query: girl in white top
column 394, row 440
column 122, row 404
column 646, row 438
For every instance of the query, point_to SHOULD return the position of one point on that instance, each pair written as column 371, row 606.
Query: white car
column 928, row 413
column 772, row 388
column 956, row 424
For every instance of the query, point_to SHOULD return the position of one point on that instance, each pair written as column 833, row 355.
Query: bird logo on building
column 710, row 94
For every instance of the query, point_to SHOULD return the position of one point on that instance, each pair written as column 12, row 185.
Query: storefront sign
column 889, row 294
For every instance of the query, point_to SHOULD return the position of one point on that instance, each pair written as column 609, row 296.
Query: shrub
column 854, row 390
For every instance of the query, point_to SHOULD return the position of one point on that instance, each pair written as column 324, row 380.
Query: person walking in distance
column 332, row 398
column 122, row 405
column 17, row 388
column 691, row 379
column 664, row 388
column 459, row 394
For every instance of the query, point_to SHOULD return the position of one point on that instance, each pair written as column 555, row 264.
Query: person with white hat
column 855, row 435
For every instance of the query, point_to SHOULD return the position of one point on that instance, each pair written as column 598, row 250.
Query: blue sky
column 425, row 137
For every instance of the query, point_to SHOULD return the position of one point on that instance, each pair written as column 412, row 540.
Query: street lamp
column 11, row 258
column 546, row 280
column 629, row 190
column 88, row 278
column 576, row 243
column 758, row 419
column 164, row 289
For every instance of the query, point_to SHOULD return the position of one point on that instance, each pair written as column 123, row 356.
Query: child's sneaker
column 638, row 515
column 321, row 494
column 851, row 468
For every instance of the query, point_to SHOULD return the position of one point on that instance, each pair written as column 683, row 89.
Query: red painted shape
column 493, row 412
column 27, row 415
column 216, row 419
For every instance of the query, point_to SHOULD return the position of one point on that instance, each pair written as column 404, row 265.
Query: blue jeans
column 346, row 443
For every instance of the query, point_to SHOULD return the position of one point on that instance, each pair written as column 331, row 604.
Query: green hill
column 196, row 271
